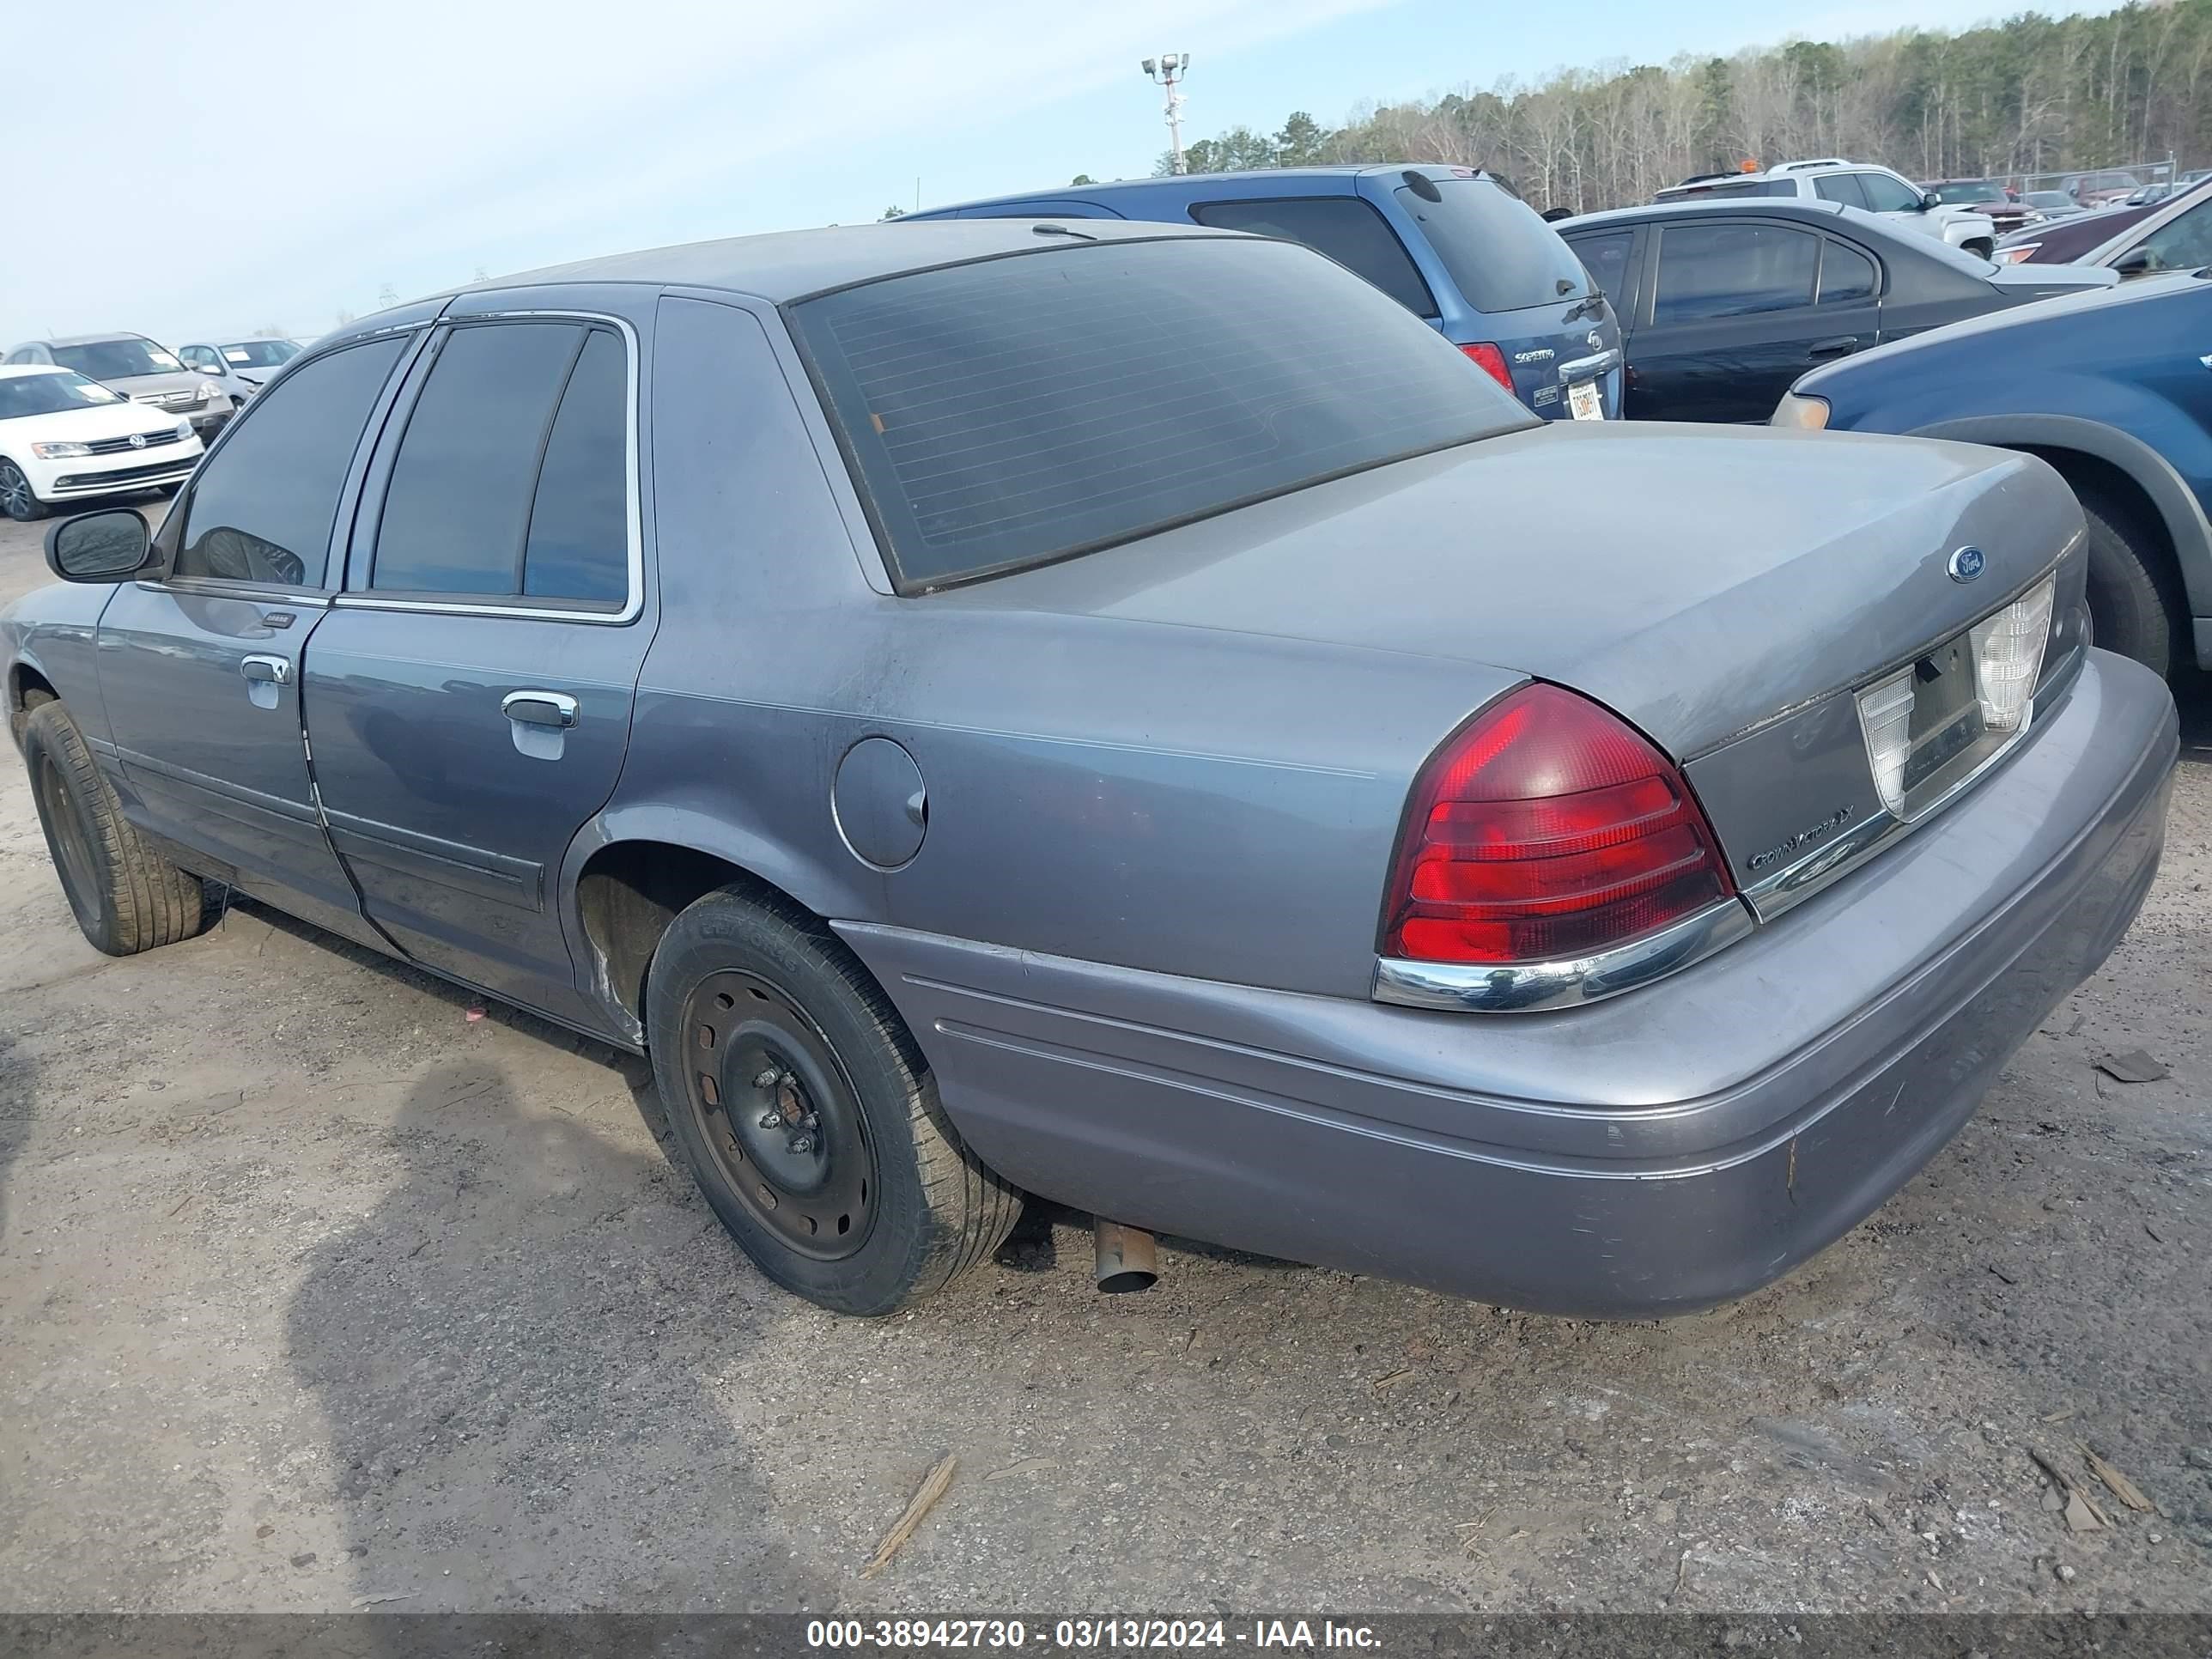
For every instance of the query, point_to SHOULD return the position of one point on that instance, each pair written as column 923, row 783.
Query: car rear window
column 1496, row 247
column 1026, row 408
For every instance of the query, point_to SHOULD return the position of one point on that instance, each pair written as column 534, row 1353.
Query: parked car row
column 2135, row 239
column 58, row 405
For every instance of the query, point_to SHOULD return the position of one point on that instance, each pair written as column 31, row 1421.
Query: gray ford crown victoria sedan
column 1128, row 715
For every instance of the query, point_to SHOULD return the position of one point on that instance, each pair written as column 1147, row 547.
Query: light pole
column 1168, row 70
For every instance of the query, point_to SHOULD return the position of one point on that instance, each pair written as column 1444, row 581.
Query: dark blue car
column 2114, row 389
column 1454, row 245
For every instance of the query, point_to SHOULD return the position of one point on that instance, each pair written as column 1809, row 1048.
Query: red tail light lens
column 1547, row 829
column 1493, row 361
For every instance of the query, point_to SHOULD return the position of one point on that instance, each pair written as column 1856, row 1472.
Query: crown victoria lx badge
column 1967, row 564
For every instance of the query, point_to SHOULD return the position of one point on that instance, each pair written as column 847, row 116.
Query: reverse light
column 1885, row 717
column 1547, row 829
column 55, row 452
column 2008, row 656
column 1491, row 362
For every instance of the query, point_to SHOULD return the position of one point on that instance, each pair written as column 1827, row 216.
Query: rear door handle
column 553, row 709
column 265, row 671
column 1842, row 346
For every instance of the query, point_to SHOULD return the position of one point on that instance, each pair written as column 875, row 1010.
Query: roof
column 1278, row 180
column 88, row 339
column 1812, row 209
column 790, row 265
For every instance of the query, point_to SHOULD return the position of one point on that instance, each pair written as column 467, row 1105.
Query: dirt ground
column 316, row 1293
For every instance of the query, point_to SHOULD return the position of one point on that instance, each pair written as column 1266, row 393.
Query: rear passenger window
column 261, row 508
column 512, row 476
column 1733, row 271
column 1840, row 187
column 1606, row 258
column 1847, row 275
column 1348, row 229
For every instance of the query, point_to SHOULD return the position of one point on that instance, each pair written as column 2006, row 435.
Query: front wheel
column 17, row 499
column 2132, row 608
column 808, row 1116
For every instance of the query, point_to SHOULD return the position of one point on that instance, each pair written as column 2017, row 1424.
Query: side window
column 261, row 510
column 1606, row 258
column 512, row 478
column 1345, row 228
column 1887, row 195
column 1840, row 187
column 2182, row 243
column 1733, row 271
column 1847, row 275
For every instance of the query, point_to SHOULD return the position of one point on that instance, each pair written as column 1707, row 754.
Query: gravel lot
column 316, row 1293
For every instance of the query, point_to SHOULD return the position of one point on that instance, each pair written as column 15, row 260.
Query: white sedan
column 62, row 437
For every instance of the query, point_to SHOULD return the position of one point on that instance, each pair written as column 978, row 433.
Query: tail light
column 1547, row 828
column 1491, row 362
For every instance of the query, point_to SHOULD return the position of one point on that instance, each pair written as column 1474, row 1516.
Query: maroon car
column 2062, row 241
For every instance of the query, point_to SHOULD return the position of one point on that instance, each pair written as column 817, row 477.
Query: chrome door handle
column 265, row 671
column 1842, row 346
column 540, row 709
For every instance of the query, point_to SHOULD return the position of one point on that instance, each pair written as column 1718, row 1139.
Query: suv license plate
column 1583, row 401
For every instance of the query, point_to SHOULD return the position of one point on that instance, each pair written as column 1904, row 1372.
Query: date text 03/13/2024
column 1111, row 1633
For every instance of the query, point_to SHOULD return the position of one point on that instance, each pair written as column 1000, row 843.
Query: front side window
column 1031, row 407
column 1840, row 187
column 1347, row 228
column 1887, row 195
column 2183, row 244
column 512, row 476
column 262, row 507
column 1707, row 272
column 1495, row 247
column 116, row 360
column 1847, row 275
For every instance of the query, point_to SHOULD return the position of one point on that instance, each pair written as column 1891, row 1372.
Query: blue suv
column 2114, row 389
column 1452, row 245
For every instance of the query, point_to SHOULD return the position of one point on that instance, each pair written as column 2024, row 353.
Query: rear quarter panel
column 50, row 632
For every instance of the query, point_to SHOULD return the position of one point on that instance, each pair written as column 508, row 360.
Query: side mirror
column 2136, row 262
column 98, row 547
column 1930, row 200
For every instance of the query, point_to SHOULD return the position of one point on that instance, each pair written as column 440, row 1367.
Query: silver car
column 1128, row 715
column 142, row 371
column 241, row 367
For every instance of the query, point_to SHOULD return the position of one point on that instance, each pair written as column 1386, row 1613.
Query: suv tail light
column 1547, row 827
column 1491, row 362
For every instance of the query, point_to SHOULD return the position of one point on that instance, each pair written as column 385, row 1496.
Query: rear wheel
column 125, row 897
column 1981, row 250
column 807, row 1114
column 2132, row 607
column 17, row 499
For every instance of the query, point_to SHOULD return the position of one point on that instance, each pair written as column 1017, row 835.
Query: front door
column 200, row 671
column 469, row 697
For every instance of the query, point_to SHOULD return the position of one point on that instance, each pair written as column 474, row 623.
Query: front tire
column 808, row 1115
column 2132, row 609
column 17, row 499
column 126, row 897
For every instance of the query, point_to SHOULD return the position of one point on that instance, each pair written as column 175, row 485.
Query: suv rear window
column 1033, row 407
column 1347, row 228
column 1501, row 253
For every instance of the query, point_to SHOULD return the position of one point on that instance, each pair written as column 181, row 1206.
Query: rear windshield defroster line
column 1019, row 410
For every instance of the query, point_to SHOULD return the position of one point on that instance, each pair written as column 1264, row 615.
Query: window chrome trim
column 1524, row 986
column 216, row 587
column 633, row 605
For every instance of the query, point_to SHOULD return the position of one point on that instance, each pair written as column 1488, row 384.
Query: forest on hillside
column 2033, row 93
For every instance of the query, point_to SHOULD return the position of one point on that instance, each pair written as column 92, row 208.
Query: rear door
column 200, row 671
column 1738, row 309
column 469, row 696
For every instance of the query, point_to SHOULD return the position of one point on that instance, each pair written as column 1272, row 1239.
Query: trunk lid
column 1707, row 585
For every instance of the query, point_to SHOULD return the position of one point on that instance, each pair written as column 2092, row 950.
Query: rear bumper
column 1657, row 1153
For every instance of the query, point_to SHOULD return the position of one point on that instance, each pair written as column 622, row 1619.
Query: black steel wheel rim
column 72, row 845
column 14, row 490
column 778, row 1115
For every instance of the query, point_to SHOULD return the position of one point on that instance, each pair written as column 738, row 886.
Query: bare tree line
column 2033, row 93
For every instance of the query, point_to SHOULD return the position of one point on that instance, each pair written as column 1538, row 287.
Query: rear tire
column 1981, row 250
column 17, row 499
column 807, row 1114
column 125, row 897
column 2132, row 607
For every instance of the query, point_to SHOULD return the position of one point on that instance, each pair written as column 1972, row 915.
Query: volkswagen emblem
column 137, row 440
column 1967, row 564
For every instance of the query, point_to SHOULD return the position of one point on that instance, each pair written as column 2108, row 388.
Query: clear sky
column 220, row 166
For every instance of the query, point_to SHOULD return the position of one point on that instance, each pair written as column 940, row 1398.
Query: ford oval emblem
column 1967, row 564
